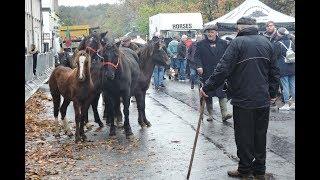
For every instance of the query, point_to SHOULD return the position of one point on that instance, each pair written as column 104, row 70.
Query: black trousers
column 34, row 66
column 250, row 129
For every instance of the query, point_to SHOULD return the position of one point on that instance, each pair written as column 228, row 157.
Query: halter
column 91, row 49
column 111, row 64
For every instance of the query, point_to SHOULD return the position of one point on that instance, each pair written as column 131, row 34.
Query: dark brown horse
column 74, row 85
column 91, row 44
column 150, row 55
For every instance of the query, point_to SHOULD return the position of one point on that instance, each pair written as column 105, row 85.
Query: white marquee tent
column 254, row 9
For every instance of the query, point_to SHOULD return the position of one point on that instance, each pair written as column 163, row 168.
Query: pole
column 201, row 110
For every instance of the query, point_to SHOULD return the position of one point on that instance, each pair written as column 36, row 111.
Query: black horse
column 121, row 71
column 126, row 74
column 91, row 44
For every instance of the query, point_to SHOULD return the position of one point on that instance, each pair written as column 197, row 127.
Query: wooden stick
column 202, row 102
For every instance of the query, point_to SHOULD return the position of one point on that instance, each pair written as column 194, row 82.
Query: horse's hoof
column 100, row 124
column 89, row 126
column 119, row 124
column 57, row 136
column 142, row 124
column 148, row 124
column 69, row 133
column 78, row 139
column 83, row 138
column 130, row 137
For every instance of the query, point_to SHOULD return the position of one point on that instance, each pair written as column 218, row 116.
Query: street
column 163, row 150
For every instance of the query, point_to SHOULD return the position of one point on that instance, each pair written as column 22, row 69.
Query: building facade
column 33, row 24
column 51, row 23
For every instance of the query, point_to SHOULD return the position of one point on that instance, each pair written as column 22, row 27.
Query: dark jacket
column 250, row 68
column 208, row 57
column 181, row 50
column 272, row 37
column 190, row 55
column 286, row 69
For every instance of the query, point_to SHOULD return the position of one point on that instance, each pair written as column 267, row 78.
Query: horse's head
column 110, row 55
column 159, row 56
column 92, row 44
column 82, row 60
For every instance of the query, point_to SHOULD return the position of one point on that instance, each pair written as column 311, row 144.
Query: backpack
column 290, row 54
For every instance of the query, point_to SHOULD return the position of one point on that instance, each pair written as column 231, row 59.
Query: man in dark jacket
column 192, row 64
column 271, row 31
column 287, row 70
column 253, row 79
column 181, row 58
column 208, row 53
column 34, row 53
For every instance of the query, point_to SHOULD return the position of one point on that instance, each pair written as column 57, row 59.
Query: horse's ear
column 117, row 44
column 102, row 35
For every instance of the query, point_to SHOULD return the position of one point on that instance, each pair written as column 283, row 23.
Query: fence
column 45, row 65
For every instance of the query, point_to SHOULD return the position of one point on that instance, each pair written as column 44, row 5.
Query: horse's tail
column 54, row 90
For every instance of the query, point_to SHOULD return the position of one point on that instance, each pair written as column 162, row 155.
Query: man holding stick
column 253, row 80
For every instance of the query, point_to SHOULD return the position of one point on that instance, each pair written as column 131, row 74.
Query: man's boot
column 210, row 111
column 224, row 110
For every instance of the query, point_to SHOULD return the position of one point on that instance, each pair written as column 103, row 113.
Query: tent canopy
column 254, row 9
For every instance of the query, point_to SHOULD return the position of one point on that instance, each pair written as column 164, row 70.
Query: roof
column 255, row 9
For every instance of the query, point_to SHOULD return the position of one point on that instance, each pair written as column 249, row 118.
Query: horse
column 74, row 85
column 150, row 55
column 91, row 44
column 120, row 76
column 123, row 78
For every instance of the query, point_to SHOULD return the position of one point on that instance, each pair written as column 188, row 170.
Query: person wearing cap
column 249, row 65
column 271, row 31
column 181, row 58
column 207, row 55
column 126, row 42
column 287, row 70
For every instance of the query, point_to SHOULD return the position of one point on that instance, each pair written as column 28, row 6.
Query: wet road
column 163, row 151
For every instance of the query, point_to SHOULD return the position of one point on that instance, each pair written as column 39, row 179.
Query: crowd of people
column 196, row 60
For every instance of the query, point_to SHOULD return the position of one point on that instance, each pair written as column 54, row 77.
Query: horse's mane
column 145, row 53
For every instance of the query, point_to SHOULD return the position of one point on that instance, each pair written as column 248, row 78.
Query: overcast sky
column 84, row 2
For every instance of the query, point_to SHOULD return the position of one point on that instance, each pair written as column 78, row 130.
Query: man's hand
column 200, row 71
column 202, row 93
column 273, row 100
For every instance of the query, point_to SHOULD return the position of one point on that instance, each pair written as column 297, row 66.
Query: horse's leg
column 118, row 114
column 126, row 104
column 84, row 113
column 111, row 110
column 145, row 120
column 56, row 106
column 140, row 107
column 94, row 105
column 76, row 106
column 106, row 115
column 63, row 111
